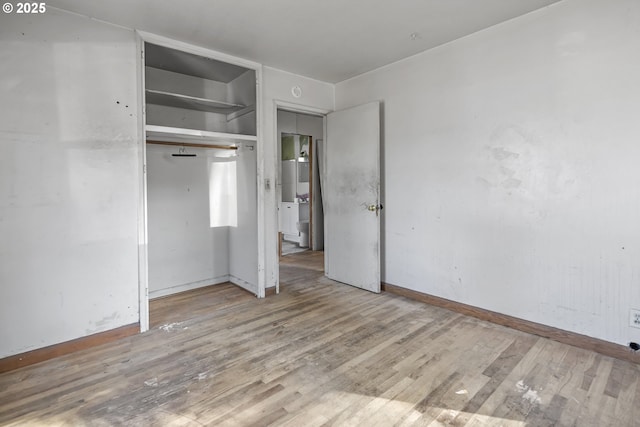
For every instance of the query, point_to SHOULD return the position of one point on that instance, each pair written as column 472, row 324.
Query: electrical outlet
column 634, row 318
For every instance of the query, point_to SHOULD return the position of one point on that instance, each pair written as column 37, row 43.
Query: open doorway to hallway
column 300, row 208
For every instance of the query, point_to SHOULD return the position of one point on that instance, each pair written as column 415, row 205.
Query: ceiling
column 329, row 40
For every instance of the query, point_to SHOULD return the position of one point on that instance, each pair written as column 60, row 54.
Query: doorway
column 349, row 168
column 300, row 207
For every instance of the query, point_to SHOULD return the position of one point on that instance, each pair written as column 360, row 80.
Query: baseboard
column 159, row 293
column 41, row 354
column 244, row 284
column 566, row 337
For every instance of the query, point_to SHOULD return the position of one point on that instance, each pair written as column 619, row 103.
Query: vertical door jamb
column 311, row 192
column 143, row 258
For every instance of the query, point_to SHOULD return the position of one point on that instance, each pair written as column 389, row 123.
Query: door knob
column 374, row 208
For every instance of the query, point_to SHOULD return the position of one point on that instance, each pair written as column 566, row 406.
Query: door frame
column 293, row 108
column 143, row 37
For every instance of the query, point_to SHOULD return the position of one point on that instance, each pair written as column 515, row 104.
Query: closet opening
column 201, row 170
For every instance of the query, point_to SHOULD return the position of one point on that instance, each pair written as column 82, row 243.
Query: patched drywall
column 510, row 176
column 68, row 179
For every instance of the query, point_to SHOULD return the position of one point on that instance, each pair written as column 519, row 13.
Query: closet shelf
column 177, row 100
column 172, row 134
column 243, row 111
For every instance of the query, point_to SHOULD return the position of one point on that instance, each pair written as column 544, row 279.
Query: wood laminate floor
column 321, row 353
column 307, row 260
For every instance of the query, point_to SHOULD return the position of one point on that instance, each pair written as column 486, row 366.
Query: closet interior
column 201, row 171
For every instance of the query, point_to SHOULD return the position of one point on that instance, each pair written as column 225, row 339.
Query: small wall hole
column 634, row 346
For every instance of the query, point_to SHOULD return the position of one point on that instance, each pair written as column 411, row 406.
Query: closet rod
column 190, row 144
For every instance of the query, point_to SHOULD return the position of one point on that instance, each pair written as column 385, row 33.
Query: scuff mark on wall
column 517, row 161
column 500, row 153
column 100, row 325
column 511, row 183
column 107, row 320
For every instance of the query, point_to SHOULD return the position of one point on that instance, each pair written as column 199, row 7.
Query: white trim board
column 173, row 134
column 143, row 249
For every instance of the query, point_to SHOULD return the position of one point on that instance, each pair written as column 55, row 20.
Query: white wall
column 68, row 179
column 510, row 171
column 302, row 124
column 276, row 87
column 185, row 252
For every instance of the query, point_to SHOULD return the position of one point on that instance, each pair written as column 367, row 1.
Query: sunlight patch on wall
column 223, row 193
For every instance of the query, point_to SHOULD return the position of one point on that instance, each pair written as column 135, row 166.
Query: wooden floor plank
column 321, row 353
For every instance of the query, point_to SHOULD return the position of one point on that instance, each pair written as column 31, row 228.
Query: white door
column 351, row 196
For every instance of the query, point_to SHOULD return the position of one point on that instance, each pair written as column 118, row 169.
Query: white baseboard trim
column 188, row 286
